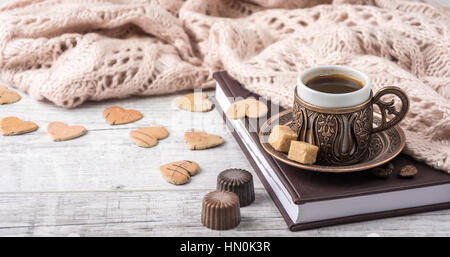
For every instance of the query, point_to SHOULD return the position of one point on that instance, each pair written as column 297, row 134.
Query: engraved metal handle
column 389, row 107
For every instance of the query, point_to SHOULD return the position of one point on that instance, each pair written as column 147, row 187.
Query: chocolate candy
column 220, row 210
column 408, row 171
column 237, row 181
column 384, row 171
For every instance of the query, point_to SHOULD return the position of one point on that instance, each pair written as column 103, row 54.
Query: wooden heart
column 197, row 140
column 59, row 131
column 8, row 96
column 117, row 115
column 10, row 126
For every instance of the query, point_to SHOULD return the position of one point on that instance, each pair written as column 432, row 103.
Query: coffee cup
column 333, row 109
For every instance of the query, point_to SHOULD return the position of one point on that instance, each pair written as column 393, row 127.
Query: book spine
column 258, row 172
column 222, row 78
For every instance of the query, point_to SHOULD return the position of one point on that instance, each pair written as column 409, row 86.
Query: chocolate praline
column 238, row 181
column 220, row 210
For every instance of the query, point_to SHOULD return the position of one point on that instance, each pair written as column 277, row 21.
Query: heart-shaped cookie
column 59, row 131
column 11, row 126
column 194, row 102
column 148, row 137
column 197, row 140
column 8, row 96
column 255, row 108
column 157, row 132
column 250, row 107
column 116, row 115
column 237, row 110
column 179, row 172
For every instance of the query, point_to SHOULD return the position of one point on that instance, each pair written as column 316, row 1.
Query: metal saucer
column 384, row 146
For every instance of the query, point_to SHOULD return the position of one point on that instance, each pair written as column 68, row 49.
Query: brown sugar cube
column 303, row 152
column 280, row 138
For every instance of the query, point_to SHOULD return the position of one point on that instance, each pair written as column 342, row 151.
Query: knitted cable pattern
column 71, row 51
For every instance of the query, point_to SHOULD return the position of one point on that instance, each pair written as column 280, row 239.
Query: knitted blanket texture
column 71, row 51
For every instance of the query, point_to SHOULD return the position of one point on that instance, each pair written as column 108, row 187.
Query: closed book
column 310, row 199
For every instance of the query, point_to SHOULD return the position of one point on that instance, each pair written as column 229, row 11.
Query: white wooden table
column 103, row 185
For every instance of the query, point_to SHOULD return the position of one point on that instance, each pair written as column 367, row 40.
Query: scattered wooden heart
column 116, row 115
column 194, row 102
column 179, row 172
column 197, row 140
column 148, row 137
column 10, row 126
column 8, row 96
column 250, row 107
column 59, row 131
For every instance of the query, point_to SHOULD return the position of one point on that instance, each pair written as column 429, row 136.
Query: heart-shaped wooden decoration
column 8, row 96
column 198, row 140
column 11, row 126
column 116, row 115
column 59, row 131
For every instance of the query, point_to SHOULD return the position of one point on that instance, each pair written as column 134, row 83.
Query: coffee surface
column 334, row 84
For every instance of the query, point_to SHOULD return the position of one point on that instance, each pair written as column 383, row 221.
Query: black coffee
column 334, row 84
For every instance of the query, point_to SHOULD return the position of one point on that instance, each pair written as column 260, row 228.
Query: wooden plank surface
column 103, row 185
column 173, row 213
column 106, row 155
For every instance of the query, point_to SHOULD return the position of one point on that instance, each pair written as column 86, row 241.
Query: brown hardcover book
column 308, row 199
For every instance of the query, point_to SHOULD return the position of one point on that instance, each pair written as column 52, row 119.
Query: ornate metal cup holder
column 383, row 146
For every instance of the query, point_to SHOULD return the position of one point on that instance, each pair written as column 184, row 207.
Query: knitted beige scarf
column 70, row 51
